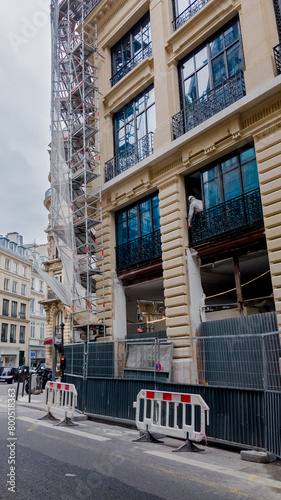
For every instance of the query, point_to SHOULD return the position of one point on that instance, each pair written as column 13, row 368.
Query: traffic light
column 62, row 363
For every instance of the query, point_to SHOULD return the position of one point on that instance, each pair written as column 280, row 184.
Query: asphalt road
column 100, row 461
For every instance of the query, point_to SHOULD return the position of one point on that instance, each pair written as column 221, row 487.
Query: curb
column 260, row 457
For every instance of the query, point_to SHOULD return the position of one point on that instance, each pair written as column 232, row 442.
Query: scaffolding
column 76, row 207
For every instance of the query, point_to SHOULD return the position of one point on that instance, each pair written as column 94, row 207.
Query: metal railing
column 132, row 63
column 277, row 58
column 139, row 250
column 129, row 157
column 239, row 213
column 209, row 104
column 188, row 13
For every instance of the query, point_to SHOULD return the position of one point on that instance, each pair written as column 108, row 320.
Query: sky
column 25, row 81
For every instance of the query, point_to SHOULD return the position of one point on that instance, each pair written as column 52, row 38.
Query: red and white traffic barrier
column 171, row 414
column 60, row 398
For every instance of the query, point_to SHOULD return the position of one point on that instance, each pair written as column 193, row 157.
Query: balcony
column 237, row 214
column 142, row 54
column 22, row 315
column 277, row 58
column 129, row 157
column 142, row 249
column 188, row 13
column 209, row 104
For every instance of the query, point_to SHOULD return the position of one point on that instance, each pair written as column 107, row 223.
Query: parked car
column 7, row 376
column 15, row 373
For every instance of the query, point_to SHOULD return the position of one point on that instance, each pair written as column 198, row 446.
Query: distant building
column 15, row 275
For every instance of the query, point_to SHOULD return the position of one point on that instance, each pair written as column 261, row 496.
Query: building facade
column 14, row 300
column 38, row 292
column 190, row 133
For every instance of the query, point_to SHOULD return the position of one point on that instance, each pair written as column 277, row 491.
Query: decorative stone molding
column 268, row 131
column 166, row 168
column 210, row 149
column 236, row 136
column 261, row 114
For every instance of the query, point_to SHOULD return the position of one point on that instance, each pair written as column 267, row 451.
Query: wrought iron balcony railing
column 233, row 215
column 142, row 54
column 129, row 157
column 188, row 13
column 209, row 104
column 277, row 58
column 141, row 249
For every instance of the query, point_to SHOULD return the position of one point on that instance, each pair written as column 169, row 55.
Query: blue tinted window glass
column 150, row 97
column 234, row 60
column 122, row 233
column 133, row 228
column 146, row 224
column 210, row 174
column 229, row 164
column 212, row 193
column 250, row 176
column 190, row 90
column 231, row 34
column 247, row 155
column 216, row 45
column 219, row 70
column 156, row 217
column 231, row 184
column 145, row 205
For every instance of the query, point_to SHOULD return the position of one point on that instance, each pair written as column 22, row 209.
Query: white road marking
column 64, row 429
column 217, row 468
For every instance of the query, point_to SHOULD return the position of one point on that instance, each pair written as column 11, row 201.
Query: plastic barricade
column 60, row 398
column 172, row 414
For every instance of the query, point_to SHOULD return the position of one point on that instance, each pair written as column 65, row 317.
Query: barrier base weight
column 147, row 437
column 49, row 416
column 189, row 446
column 66, row 423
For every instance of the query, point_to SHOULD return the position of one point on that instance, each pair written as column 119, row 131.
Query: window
column 211, row 64
column 5, row 311
column 41, row 309
column 13, row 330
column 23, row 290
column 7, row 264
column 32, row 283
column 129, row 51
column 231, row 177
column 135, row 121
column 4, row 332
column 14, row 287
column 6, row 284
column 42, row 331
column 14, row 311
column 58, row 276
column 41, row 287
column 32, row 329
column 24, row 271
column 22, row 334
column 185, row 9
column 32, row 305
column 23, row 311
column 138, row 220
column 15, row 268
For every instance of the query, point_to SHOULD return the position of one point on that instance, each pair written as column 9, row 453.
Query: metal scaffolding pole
column 76, row 205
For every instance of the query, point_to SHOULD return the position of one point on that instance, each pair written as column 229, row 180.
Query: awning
column 48, row 342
